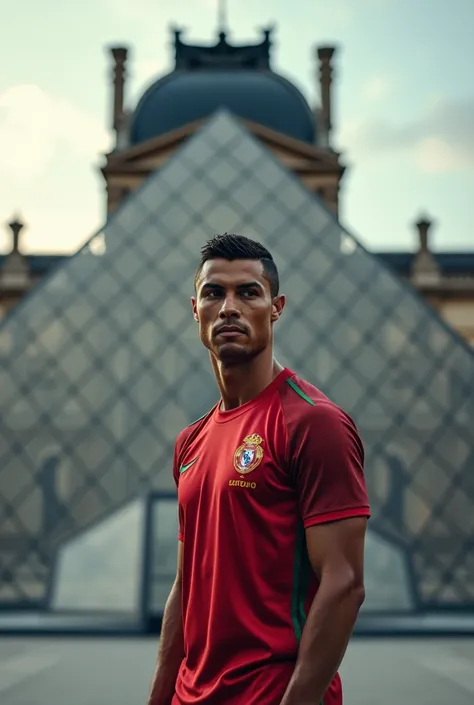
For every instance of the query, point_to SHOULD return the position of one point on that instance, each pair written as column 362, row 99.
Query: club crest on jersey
column 249, row 455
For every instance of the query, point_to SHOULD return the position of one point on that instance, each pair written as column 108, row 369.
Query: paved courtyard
column 117, row 671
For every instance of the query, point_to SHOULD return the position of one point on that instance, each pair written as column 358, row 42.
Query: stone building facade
column 240, row 79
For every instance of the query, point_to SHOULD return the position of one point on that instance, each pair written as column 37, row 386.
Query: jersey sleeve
column 176, row 480
column 327, row 462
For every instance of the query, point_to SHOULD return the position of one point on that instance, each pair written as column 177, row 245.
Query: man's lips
column 230, row 331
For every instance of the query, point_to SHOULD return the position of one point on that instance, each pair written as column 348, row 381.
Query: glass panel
column 163, row 553
column 387, row 583
column 102, row 365
column 101, row 569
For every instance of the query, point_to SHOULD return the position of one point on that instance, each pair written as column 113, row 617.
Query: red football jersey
column 249, row 480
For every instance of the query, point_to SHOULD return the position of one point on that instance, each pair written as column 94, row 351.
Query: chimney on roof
column 119, row 55
column 15, row 274
column 16, row 226
column 325, row 56
column 423, row 226
column 425, row 269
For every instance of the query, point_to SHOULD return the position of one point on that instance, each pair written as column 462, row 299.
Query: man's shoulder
column 317, row 425
column 191, row 431
column 303, row 403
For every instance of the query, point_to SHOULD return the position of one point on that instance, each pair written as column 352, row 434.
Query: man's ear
column 278, row 304
column 194, row 307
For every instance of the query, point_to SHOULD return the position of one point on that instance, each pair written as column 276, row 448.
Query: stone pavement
column 84, row 671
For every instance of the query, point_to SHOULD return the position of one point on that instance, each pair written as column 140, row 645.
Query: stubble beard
column 234, row 355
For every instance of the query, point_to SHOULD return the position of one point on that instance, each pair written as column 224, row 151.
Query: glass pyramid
column 101, row 367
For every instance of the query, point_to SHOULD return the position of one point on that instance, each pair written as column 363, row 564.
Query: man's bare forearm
column 324, row 641
column 170, row 652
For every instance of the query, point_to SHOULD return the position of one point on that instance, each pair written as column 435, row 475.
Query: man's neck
column 239, row 384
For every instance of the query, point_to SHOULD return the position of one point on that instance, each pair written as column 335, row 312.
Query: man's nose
column 229, row 308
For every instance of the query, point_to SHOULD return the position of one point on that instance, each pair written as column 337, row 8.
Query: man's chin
column 233, row 353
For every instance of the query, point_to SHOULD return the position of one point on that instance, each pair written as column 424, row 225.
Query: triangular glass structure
column 101, row 365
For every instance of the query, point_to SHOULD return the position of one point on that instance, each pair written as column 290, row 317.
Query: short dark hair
column 231, row 247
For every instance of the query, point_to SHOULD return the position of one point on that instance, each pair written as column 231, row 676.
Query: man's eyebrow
column 243, row 285
column 250, row 285
column 211, row 285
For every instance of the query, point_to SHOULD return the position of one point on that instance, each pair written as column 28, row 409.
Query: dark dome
column 260, row 96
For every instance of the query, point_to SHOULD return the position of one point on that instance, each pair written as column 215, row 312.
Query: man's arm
column 336, row 553
column 171, row 648
column 326, row 458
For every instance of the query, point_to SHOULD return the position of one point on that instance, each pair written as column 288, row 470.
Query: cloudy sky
column 404, row 105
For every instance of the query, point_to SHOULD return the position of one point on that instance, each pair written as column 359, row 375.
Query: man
column 272, row 512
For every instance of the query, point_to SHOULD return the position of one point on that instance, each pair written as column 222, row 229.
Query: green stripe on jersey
column 300, row 392
column 301, row 575
column 296, row 589
column 302, row 566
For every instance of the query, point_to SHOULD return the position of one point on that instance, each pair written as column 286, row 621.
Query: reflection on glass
column 101, row 570
column 164, row 546
column 387, row 585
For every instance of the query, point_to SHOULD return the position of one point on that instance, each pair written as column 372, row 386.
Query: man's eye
column 250, row 293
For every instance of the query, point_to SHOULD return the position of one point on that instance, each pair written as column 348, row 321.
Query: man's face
column 235, row 309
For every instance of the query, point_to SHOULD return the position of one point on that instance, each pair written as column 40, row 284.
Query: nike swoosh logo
column 183, row 468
